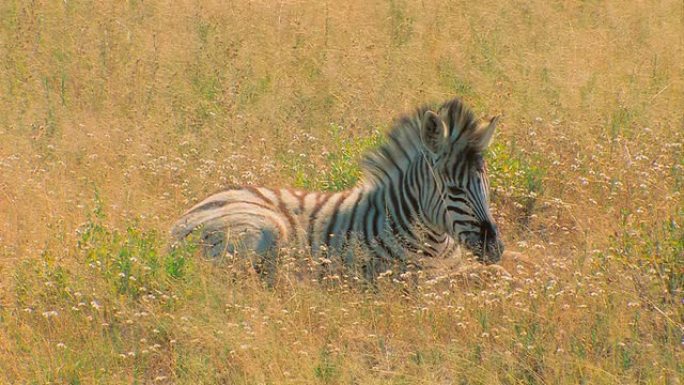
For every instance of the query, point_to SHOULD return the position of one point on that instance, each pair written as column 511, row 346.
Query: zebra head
column 454, row 143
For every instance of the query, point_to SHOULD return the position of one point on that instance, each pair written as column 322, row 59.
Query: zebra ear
column 483, row 136
column 433, row 132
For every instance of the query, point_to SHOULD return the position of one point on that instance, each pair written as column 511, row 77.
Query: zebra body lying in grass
column 423, row 191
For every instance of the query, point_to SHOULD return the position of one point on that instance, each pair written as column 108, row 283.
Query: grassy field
column 116, row 116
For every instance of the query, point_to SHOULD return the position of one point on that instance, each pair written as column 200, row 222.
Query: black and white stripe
column 425, row 188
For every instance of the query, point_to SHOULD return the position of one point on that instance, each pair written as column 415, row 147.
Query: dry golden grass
column 116, row 116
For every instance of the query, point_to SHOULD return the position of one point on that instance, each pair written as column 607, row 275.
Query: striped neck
column 399, row 209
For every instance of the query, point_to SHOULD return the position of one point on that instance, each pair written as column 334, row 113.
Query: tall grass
column 116, row 116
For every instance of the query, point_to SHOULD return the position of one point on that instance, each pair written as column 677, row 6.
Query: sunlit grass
column 116, row 117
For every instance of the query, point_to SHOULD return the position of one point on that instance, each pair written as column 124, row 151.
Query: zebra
column 424, row 191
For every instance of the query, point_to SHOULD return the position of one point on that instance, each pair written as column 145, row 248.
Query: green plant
column 514, row 175
column 130, row 261
column 659, row 245
column 342, row 165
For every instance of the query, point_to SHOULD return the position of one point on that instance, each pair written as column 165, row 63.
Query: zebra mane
column 403, row 143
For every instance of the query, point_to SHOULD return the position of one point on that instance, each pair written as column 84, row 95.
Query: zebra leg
column 219, row 239
column 215, row 244
column 261, row 245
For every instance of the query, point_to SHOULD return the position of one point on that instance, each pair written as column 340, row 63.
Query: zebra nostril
column 492, row 245
column 488, row 231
